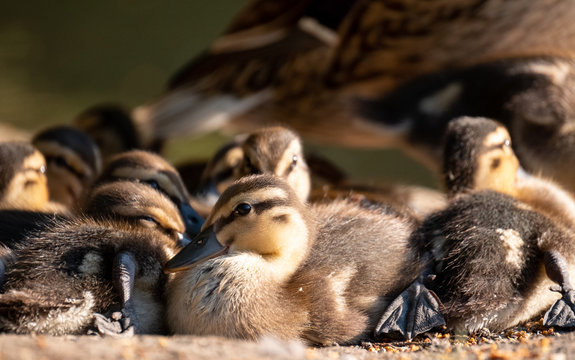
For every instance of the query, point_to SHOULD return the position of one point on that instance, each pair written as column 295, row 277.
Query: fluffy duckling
column 271, row 150
column 267, row 264
column 278, row 151
column 494, row 255
column 111, row 128
column 23, row 182
column 73, row 162
column 153, row 170
column 103, row 271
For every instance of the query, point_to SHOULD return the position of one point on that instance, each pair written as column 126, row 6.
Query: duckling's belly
column 231, row 296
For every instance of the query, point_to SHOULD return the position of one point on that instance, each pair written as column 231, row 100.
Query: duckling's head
column 111, row 127
column 278, row 151
column 258, row 214
column 220, row 172
column 138, row 205
column 72, row 162
column 23, row 182
column 478, row 155
column 151, row 169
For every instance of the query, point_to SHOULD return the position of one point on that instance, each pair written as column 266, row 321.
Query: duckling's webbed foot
column 124, row 322
column 562, row 312
column 415, row 311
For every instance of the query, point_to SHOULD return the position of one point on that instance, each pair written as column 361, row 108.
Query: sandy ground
column 517, row 344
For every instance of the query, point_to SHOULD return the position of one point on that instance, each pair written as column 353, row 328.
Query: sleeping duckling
column 267, row 264
column 75, row 274
column 23, row 182
column 153, row 170
column 500, row 245
column 72, row 163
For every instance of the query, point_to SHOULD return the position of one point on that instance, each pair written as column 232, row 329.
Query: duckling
column 103, row 271
column 271, row 150
column 305, row 65
column 267, row 264
column 503, row 241
column 278, row 151
column 73, row 163
column 216, row 174
column 111, row 128
column 23, row 182
column 153, row 170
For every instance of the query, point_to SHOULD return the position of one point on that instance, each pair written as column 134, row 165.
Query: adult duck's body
column 323, row 273
column 320, row 82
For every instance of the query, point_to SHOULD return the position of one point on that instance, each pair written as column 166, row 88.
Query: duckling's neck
column 548, row 198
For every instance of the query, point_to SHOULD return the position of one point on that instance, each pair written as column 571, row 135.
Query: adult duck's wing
column 383, row 43
column 271, row 46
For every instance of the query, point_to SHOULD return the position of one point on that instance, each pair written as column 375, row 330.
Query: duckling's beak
column 192, row 219
column 203, row 247
column 183, row 240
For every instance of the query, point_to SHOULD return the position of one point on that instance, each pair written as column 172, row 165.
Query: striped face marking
column 167, row 182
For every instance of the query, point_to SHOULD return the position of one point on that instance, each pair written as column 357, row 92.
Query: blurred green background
column 58, row 58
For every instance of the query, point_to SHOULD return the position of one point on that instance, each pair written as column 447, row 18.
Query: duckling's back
column 360, row 261
column 474, row 241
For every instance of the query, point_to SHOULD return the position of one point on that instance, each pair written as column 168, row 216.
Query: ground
column 527, row 342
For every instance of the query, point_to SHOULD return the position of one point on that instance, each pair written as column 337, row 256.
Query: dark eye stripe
column 258, row 209
column 268, row 204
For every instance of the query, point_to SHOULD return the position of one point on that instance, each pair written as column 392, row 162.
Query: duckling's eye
column 148, row 221
column 243, row 209
column 293, row 162
column 153, row 183
column 507, row 142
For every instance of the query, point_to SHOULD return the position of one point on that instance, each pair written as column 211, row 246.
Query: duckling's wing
column 415, row 311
